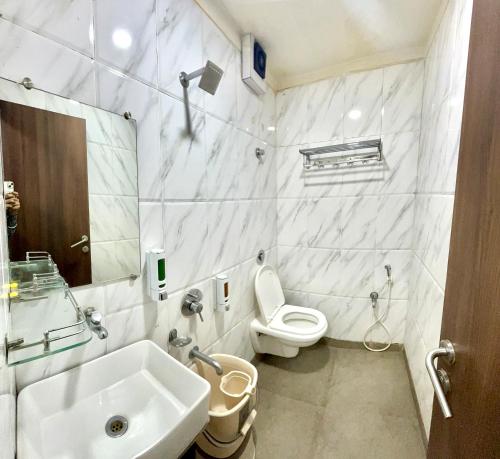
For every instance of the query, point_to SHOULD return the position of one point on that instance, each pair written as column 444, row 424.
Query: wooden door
column 471, row 318
column 45, row 155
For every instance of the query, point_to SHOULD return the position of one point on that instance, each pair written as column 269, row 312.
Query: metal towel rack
column 363, row 152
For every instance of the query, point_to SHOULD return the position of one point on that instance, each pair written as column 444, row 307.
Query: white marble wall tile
column 357, row 273
column 325, row 110
column 293, row 267
column 184, row 155
column 244, row 296
column 180, row 36
column 218, row 49
column 222, row 159
column 325, row 272
column 51, row 67
column 258, row 226
column 293, row 222
column 123, row 133
column 401, row 159
column 268, row 117
column 67, row 21
column 127, row 327
column 324, row 223
column 128, row 256
column 298, row 298
column 186, row 243
column 290, row 173
column 55, row 103
column 119, row 94
column 402, row 97
column 125, row 169
column 8, row 425
column 100, row 159
column 98, row 124
column 126, row 37
column 358, row 222
column 125, row 294
column 291, row 111
column 265, row 184
column 250, row 106
column 394, row 222
column 363, row 104
column 224, row 229
column 248, row 165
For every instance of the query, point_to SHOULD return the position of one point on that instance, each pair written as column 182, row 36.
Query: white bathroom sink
column 164, row 403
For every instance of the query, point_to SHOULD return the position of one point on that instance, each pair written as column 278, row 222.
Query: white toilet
column 281, row 329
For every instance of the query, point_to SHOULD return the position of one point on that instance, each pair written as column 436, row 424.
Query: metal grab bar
column 439, row 377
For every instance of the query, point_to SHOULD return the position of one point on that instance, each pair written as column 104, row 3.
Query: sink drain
column 116, row 426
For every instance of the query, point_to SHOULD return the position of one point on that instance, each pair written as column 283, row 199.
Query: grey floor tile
column 285, row 428
column 305, row 377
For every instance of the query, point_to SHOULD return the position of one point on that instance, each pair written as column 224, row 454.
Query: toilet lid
column 268, row 292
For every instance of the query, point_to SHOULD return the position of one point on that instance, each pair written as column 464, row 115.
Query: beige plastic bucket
column 231, row 416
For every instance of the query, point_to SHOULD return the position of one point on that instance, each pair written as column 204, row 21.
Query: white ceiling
column 307, row 40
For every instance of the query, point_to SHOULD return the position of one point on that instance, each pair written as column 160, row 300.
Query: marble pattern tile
column 250, row 107
column 51, row 67
column 291, row 110
column 290, row 173
column 401, row 262
column 151, row 225
column 401, row 159
column 186, row 243
column 180, row 49
column 363, row 104
column 358, row 222
column 185, row 161
column 402, row 97
column 67, row 21
column 127, row 327
column 222, row 159
column 292, row 221
column 324, row 223
column 293, row 267
column 220, row 51
column 268, row 117
column 119, row 94
column 394, row 222
column 126, row 37
column 224, row 229
column 325, row 110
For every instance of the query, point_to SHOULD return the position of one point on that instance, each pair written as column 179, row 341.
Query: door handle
column 439, row 378
column 84, row 239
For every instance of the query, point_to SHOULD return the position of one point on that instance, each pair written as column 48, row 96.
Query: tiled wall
column 338, row 228
column 444, row 82
column 207, row 200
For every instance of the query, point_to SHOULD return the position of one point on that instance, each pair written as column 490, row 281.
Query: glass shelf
column 45, row 317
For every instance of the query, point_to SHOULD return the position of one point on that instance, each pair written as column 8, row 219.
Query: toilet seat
column 297, row 320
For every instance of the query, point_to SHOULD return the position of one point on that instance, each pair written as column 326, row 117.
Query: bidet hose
column 379, row 321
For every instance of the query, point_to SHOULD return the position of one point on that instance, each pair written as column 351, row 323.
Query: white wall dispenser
column 222, row 293
column 156, row 271
column 253, row 64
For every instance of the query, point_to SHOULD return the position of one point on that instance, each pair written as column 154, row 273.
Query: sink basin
column 165, row 405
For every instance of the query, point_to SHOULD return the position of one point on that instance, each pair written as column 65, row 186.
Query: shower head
column 211, row 75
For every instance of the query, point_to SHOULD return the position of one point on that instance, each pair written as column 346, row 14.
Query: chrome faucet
column 196, row 354
column 94, row 322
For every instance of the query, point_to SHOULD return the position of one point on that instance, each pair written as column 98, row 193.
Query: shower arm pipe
column 187, row 77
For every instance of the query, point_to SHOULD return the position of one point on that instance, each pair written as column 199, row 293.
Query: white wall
column 337, row 229
column 444, row 82
column 208, row 201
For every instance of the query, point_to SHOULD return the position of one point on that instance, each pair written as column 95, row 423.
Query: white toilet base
column 264, row 344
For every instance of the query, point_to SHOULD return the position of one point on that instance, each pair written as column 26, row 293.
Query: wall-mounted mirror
column 70, row 185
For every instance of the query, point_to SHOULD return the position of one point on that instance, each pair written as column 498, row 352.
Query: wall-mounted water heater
column 253, row 64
